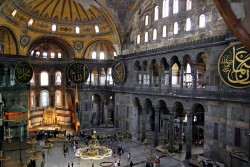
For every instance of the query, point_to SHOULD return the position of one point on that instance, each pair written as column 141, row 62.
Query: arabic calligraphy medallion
column 78, row 72
column 118, row 72
column 23, row 72
column 234, row 66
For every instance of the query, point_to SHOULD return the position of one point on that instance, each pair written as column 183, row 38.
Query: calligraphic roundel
column 234, row 66
column 23, row 72
column 78, row 72
column 118, row 72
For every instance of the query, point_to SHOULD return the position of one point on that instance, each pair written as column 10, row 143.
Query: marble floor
column 54, row 157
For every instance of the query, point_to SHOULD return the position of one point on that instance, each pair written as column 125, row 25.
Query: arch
column 9, row 40
column 179, row 109
column 201, row 60
column 44, row 78
column 100, row 46
column 58, row 98
column 94, row 76
column 49, row 44
column 102, row 76
column 165, row 72
column 198, row 121
column 58, row 78
column 187, row 74
column 176, row 74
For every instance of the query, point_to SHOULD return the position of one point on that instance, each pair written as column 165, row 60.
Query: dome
column 66, row 15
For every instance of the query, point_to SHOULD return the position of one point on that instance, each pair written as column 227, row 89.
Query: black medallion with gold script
column 78, row 72
column 118, row 72
column 234, row 66
column 23, row 72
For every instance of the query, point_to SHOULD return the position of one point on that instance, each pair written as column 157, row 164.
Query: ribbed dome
column 66, row 14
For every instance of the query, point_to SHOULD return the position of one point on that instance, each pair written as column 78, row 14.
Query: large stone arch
column 8, row 41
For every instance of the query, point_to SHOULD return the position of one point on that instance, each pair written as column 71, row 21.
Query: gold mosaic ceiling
column 66, row 14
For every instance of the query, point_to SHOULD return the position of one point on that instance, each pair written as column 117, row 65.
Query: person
column 118, row 162
column 115, row 164
column 72, row 165
column 68, row 165
column 131, row 164
column 93, row 164
column 129, row 156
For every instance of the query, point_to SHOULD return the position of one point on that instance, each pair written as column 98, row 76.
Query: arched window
column 175, row 6
column 164, row 31
column 175, row 75
column 53, row 28
column 45, row 55
column 93, row 55
column 188, row 5
column 146, row 36
column 97, row 29
column 44, row 98
column 102, row 56
column 109, row 77
column 138, row 40
column 155, row 34
column 175, row 28
column 102, row 77
column 77, row 30
column 37, row 54
column 202, row 21
column 52, row 55
column 165, row 8
column 32, row 100
column 188, row 24
column 30, row 22
column 14, row 13
column 156, row 13
column 59, row 55
column 58, row 78
column 44, row 78
column 58, row 98
column 146, row 20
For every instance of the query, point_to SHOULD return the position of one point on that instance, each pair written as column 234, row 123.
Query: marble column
column 157, row 126
column 188, row 134
column 182, row 76
column 170, row 78
column 194, row 72
column 171, row 133
column 151, row 76
column 144, row 122
column 98, row 77
column 160, row 76
column 181, row 131
column 166, row 131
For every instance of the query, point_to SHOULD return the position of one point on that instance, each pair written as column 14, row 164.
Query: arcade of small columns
column 143, row 122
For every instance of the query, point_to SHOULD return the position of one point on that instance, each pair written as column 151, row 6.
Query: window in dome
column 164, row 31
column 53, row 28
column 94, row 55
column 32, row 52
column 45, row 55
column 138, row 39
column 77, row 30
column 115, row 54
column 59, row 55
column 175, row 28
column 52, row 55
column 44, row 78
column 188, row 24
column 102, row 56
column 202, row 21
column 37, row 54
column 146, row 20
column 97, row 29
column 175, row 7
column 14, row 13
column 156, row 13
column 165, row 8
column 30, row 22
column 188, row 5
column 146, row 36
column 155, row 34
